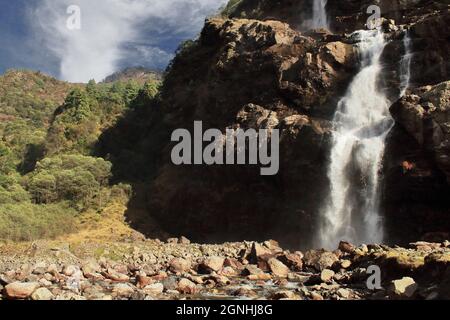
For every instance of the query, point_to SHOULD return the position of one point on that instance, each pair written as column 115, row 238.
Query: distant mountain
column 139, row 74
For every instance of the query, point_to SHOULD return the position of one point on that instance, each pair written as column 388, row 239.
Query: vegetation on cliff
column 50, row 175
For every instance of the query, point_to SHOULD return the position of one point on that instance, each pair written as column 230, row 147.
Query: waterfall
column 362, row 122
column 320, row 18
column 405, row 65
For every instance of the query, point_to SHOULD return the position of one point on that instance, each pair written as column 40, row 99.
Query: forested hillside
column 51, row 178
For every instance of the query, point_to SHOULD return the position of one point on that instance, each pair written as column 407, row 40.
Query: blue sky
column 114, row 34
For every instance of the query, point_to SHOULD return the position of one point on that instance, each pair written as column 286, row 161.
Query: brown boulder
column 320, row 259
column 278, row 268
column 20, row 290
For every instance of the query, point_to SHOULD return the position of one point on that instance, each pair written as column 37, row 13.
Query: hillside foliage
column 50, row 171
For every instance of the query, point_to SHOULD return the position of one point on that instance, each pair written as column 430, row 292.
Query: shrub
column 27, row 222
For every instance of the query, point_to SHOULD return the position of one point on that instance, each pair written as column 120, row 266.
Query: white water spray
column 320, row 18
column 362, row 122
column 405, row 65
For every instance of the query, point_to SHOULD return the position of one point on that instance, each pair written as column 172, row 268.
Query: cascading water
column 405, row 65
column 320, row 18
column 362, row 122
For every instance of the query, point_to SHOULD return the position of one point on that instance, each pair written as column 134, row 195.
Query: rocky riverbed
column 177, row 269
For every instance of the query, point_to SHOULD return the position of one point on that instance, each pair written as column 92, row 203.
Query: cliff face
column 267, row 71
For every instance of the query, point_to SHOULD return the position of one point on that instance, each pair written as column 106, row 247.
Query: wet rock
column 170, row 283
column 20, row 290
column 404, row 288
column 180, row 265
column 284, row 295
column 221, row 280
column 154, row 289
column 42, row 294
column 186, row 286
column 244, row 291
column 259, row 277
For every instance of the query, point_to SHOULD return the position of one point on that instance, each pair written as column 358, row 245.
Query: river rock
column 123, row 290
column 179, row 265
column 404, row 288
column 327, row 275
column 211, row 264
column 154, row 289
column 70, row 270
column 292, row 260
column 258, row 252
column 278, row 268
column 42, row 294
column 346, row 247
column 20, row 290
column 116, row 276
column 186, row 286
column 320, row 259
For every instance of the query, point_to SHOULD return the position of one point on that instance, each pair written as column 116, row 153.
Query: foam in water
column 405, row 65
column 320, row 18
column 362, row 122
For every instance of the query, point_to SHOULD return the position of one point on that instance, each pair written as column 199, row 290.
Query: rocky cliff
column 260, row 67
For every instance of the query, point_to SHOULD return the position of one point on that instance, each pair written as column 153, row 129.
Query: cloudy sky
column 78, row 40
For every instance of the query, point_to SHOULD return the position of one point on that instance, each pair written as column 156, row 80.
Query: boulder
column 179, row 265
column 123, row 290
column 211, row 264
column 42, row 294
column 278, row 268
column 404, row 288
column 20, row 290
column 327, row 275
column 186, row 286
column 320, row 259
column 292, row 260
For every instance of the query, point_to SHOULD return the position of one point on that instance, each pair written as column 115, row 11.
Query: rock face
column 426, row 117
column 262, row 68
column 418, row 165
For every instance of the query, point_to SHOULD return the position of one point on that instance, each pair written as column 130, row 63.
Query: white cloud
column 107, row 26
